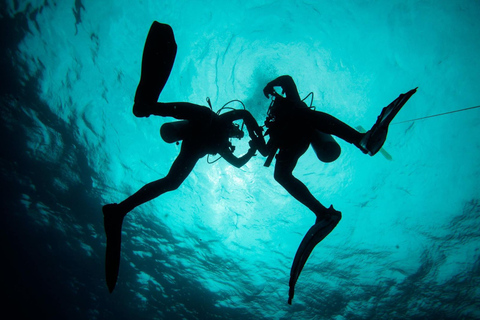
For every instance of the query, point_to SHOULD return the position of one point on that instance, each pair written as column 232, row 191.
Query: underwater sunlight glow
column 221, row 246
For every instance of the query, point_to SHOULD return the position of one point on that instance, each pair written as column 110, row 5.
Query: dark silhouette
column 201, row 130
column 205, row 133
column 292, row 127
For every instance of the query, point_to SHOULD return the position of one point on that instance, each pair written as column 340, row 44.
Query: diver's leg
column 283, row 174
column 178, row 110
column 181, row 168
column 329, row 124
column 369, row 142
column 113, row 214
column 181, row 110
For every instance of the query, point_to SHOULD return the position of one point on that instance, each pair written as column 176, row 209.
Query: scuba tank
column 175, row 131
column 325, row 146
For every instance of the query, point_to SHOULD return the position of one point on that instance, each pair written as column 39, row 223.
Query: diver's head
column 234, row 131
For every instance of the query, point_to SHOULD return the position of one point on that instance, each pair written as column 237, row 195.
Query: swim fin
column 384, row 152
column 176, row 131
column 374, row 139
column 157, row 62
column 315, row 234
column 113, row 230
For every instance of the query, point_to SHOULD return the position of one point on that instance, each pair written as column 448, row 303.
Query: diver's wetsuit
column 292, row 127
column 206, row 133
column 209, row 134
column 290, row 131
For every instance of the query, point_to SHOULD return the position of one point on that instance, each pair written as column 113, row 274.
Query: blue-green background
column 221, row 246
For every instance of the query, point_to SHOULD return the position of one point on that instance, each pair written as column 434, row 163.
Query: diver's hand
column 268, row 91
column 253, row 145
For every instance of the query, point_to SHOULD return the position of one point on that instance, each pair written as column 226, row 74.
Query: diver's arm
column 252, row 126
column 237, row 162
column 254, row 130
column 262, row 147
column 288, row 87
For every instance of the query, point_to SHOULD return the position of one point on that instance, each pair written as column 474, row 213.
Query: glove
column 268, row 91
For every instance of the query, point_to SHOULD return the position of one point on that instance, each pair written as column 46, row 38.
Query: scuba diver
column 205, row 133
column 201, row 130
column 292, row 127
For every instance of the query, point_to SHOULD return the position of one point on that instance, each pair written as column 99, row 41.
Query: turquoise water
column 221, row 246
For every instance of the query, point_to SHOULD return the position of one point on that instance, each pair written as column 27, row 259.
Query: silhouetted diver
column 292, row 127
column 202, row 131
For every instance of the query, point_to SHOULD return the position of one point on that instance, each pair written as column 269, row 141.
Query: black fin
column 113, row 230
column 315, row 234
column 157, row 62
